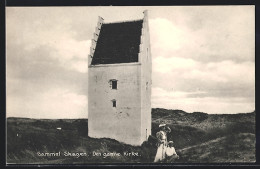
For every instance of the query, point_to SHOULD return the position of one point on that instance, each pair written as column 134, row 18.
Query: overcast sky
column 203, row 58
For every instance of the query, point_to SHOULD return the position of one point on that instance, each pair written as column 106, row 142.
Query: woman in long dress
column 162, row 142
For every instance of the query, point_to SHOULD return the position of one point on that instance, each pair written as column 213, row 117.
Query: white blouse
column 170, row 151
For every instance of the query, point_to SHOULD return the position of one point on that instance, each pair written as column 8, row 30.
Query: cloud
column 221, row 79
column 54, row 103
column 180, row 100
column 54, row 33
column 39, row 86
column 74, row 54
column 165, row 34
column 64, row 48
column 203, row 58
column 46, row 65
column 207, row 55
column 167, row 65
column 205, row 34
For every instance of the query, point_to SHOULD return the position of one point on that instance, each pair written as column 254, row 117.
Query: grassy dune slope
column 198, row 137
column 232, row 148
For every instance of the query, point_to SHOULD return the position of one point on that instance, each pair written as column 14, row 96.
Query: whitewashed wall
column 123, row 122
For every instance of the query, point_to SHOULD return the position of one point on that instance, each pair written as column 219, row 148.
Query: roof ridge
column 123, row 21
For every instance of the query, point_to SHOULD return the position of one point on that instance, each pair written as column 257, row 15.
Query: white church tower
column 119, row 81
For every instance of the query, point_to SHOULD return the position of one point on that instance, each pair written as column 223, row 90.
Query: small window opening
column 114, row 103
column 113, row 84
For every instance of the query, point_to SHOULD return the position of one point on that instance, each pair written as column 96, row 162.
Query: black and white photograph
column 130, row 84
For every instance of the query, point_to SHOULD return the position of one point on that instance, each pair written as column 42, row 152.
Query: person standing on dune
column 162, row 142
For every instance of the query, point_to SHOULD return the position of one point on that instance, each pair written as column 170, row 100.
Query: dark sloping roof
column 118, row 43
